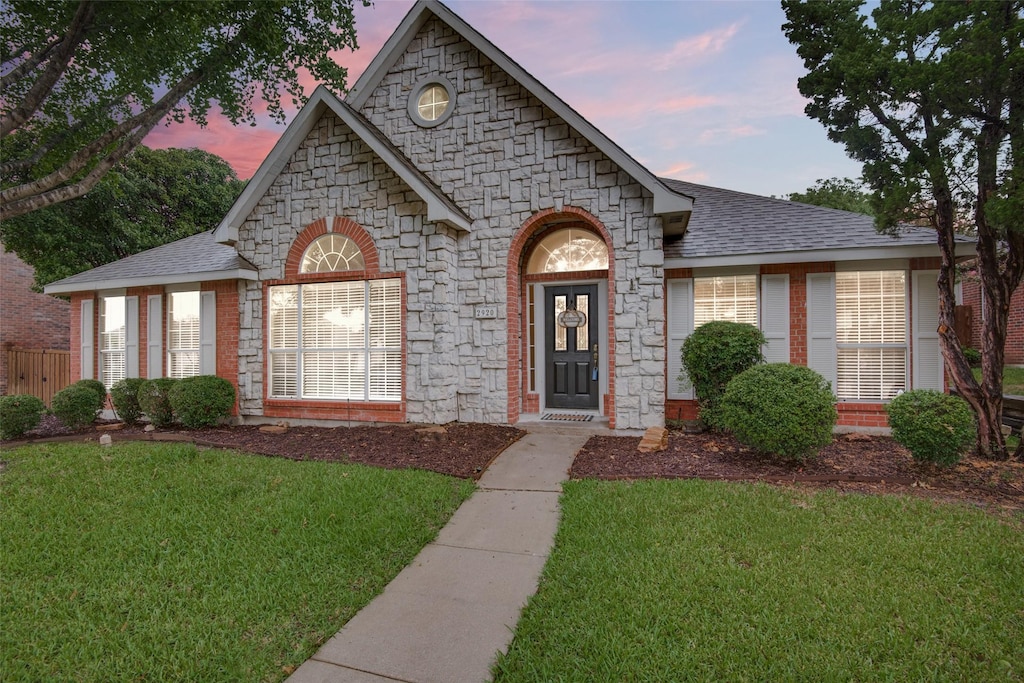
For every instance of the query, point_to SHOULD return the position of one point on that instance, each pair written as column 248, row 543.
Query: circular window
column 432, row 102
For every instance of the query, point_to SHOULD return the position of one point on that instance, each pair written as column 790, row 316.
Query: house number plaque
column 572, row 318
column 485, row 312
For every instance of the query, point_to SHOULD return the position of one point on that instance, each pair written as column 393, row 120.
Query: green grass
column 1013, row 379
column 166, row 562
column 712, row 581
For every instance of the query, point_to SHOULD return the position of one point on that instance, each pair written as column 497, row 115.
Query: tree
column 152, row 197
column 836, row 193
column 930, row 98
column 84, row 81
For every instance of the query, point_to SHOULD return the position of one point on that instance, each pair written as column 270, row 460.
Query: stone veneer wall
column 503, row 156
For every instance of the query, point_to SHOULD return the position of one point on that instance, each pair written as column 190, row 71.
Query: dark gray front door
column 571, row 319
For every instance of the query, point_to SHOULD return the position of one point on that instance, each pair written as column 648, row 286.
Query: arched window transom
column 567, row 250
column 330, row 254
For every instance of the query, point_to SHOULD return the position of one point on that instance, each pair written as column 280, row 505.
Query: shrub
column 935, row 427
column 202, row 401
column 155, row 402
column 97, row 388
column 19, row 414
column 715, row 353
column 125, row 397
column 76, row 405
column 973, row 356
column 783, row 409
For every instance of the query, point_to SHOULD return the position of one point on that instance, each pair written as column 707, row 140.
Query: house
column 1014, row 347
column 34, row 336
column 454, row 242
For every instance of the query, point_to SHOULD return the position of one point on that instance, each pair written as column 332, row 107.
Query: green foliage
column 76, row 405
column 97, row 387
column 154, row 399
column 836, row 193
column 973, row 356
column 202, row 401
column 783, row 409
column 125, row 397
column 156, row 61
column 935, row 427
column 19, row 414
column 715, row 353
column 153, row 197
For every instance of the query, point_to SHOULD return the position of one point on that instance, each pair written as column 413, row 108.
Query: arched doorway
column 560, row 294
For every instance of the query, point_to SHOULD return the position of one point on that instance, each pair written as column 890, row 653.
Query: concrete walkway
column 445, row 617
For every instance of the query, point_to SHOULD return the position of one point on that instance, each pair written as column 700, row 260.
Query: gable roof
column 667, row 200
column 729, row 228
column 198, row 258
column 439, row 207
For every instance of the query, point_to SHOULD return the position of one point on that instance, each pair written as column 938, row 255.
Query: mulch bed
column 854, row 462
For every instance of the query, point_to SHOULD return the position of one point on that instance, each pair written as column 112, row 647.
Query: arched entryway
column 560, row 300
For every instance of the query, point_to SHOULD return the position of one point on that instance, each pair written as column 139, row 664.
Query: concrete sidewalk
column 445, row 617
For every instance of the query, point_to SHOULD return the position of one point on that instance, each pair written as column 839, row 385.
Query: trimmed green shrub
column 782, row 409
column 125, row 397
column 202, row 401
column 935, row 427
column 973, row 356
column 155, row 401
column 19, row 414
column 97, row 388
column 76, row 405
column 715, row 353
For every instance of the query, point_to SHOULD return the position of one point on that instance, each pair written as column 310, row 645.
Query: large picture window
column 183, row 334
column 113, row 359
column 336, row 340
column 871, row 335
column 732, row 298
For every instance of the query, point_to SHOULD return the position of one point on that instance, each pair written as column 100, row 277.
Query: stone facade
column 503, row 157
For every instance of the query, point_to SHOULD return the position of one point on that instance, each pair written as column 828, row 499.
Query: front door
column 571, row 316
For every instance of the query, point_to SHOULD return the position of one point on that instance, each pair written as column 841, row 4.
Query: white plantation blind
column 732, row 298
column 680, row 326
column 336, row 340
column 112, row 340
column 871, row 335
column 183, row 334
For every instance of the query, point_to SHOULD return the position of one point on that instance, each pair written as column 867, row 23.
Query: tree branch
column 8, row 79
column 58, row 63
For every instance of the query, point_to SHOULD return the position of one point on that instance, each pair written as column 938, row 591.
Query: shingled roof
column 735, row 228
column 199, row 258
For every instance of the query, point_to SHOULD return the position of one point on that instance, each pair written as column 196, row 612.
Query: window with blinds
column 732, row 298
column 183, row 334
column 871, row 335
column 336, row 340
column 113, row 324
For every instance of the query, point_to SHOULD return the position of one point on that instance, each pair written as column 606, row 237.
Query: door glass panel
column 582, row 332
column 560, row 338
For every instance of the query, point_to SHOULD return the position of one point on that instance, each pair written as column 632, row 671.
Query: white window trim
column 414, row 98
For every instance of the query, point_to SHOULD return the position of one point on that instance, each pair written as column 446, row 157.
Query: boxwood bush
column 155, row 401
column 76, row 405
column 782, row 409
column 97, row 388
column 202, row 401
column 125, row 397
column 19, row 414
column 935, row 427
column 715, row 353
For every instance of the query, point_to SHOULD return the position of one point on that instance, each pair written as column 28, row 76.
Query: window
column 871, row 335
column 431, row 102
column 183, row 334
column 732, row 298
column 331, row 253
column 113, row 358
column 568, row 250
column 336, row 340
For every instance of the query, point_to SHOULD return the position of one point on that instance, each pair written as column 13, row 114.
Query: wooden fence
column 40, row 372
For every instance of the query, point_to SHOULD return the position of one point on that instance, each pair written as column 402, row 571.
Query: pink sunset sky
column 703, row 91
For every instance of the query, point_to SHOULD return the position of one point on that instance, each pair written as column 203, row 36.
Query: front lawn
column 167, row 562
column 1013, row 379
column 695, row 580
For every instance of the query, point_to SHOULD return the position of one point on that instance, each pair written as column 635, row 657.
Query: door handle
column 595, row 354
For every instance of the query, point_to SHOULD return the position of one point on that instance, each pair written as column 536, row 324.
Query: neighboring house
column 454, row 242
column 29, row 321
column 1014, row 347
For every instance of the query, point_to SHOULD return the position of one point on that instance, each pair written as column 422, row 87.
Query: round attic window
column 432, row 102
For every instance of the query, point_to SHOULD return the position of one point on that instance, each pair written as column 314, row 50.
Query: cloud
column 728, row 133
column 683, row 171
column 696, row 47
